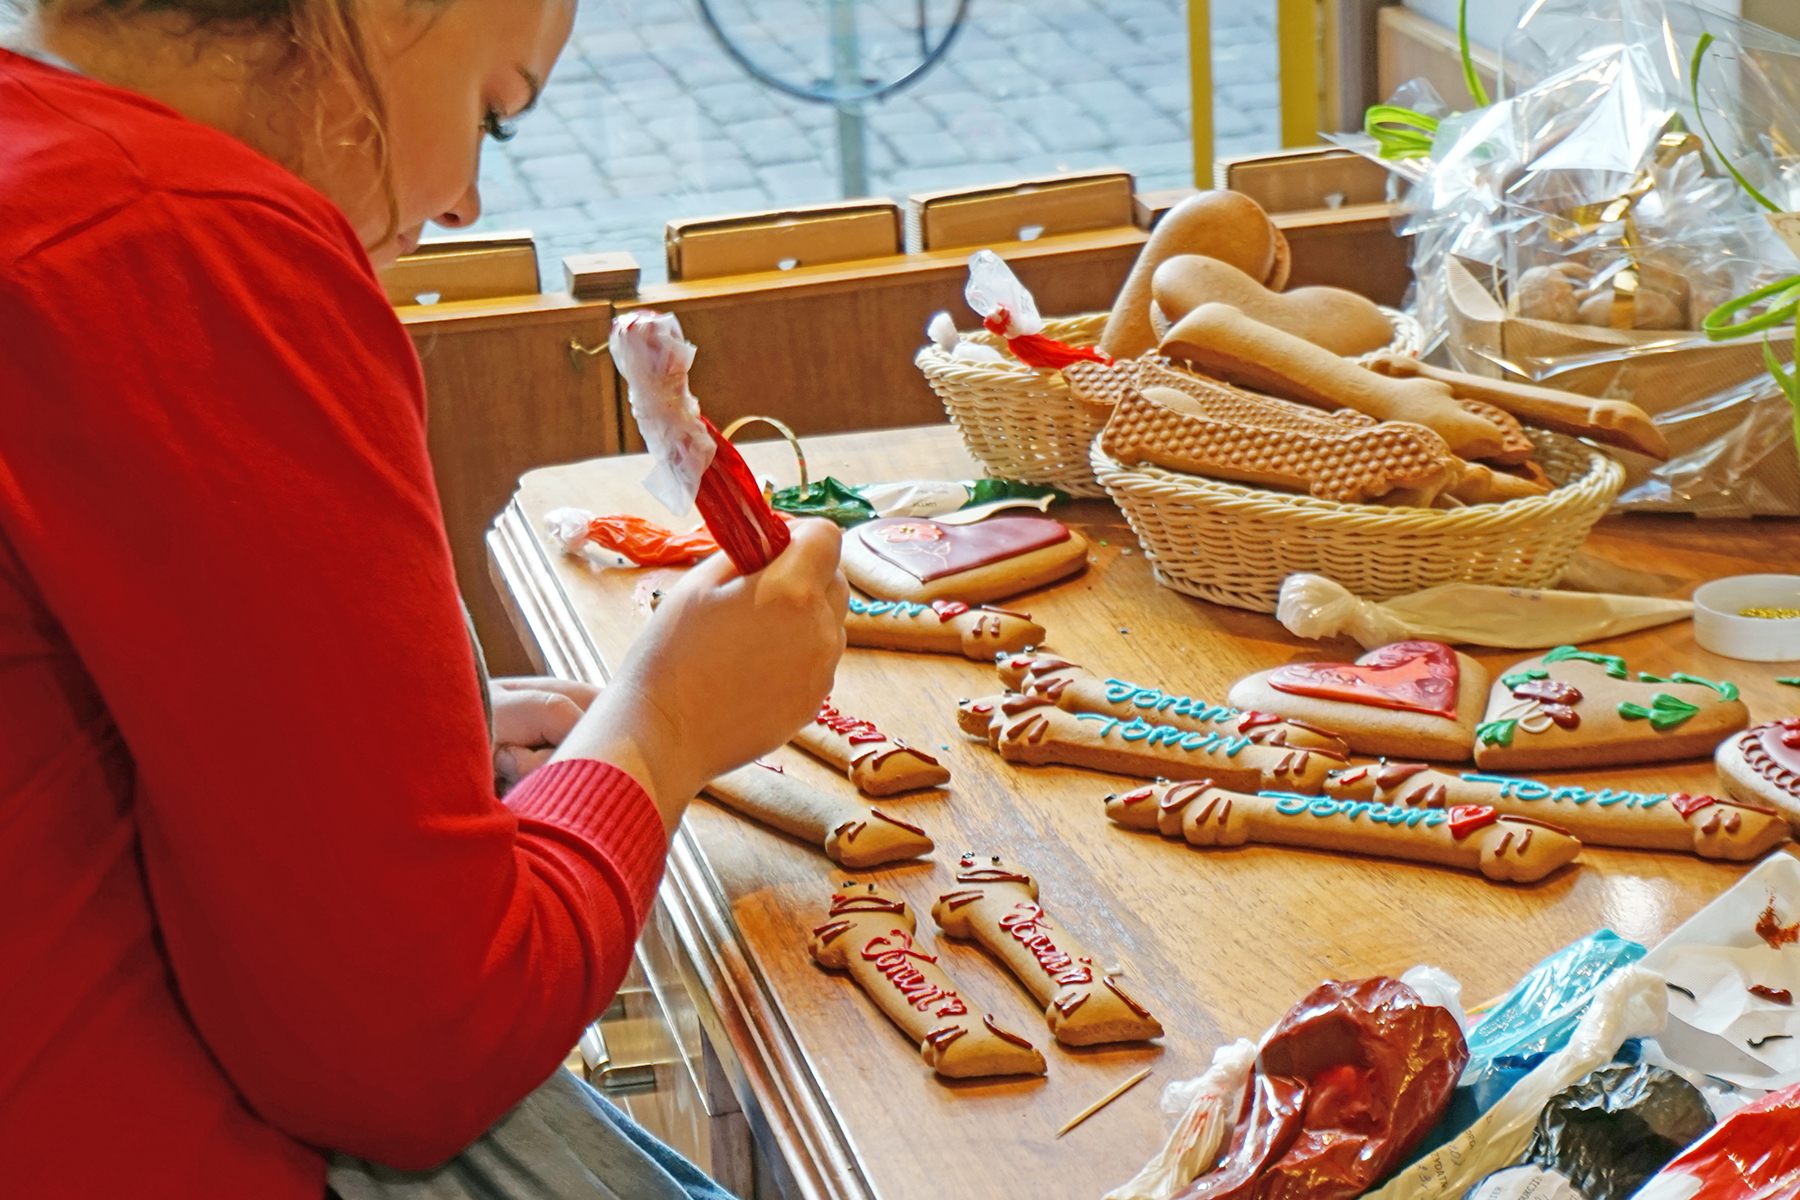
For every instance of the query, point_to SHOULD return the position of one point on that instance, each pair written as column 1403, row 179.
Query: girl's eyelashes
column 497, row 127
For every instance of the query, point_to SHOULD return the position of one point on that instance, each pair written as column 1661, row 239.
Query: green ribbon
column 1780, row 300
column 1403, row 133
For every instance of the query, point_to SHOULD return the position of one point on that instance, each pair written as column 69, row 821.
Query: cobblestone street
column 647, row 118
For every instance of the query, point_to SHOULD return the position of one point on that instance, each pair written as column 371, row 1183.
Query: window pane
column 649, row 117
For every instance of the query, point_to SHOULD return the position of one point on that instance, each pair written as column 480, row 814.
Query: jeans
column 563, row 1142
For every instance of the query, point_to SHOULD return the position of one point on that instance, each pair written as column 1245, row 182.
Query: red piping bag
column 1008, row 311
column 695, row 465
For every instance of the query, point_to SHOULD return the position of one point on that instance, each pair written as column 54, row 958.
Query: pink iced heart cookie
column 1409, row 676
column 1414, row 700
column 914, row 559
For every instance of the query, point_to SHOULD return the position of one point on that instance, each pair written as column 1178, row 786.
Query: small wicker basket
column 1022, row 423
column 1235, row 545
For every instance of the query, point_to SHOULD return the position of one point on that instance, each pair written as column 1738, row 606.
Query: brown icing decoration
column 1394, row 774
column 927, row 550
column 943, row 1035
column 843, row 902
column 1003, row 1034
column 1133, row 1005
column 1548, row 691
column 1774, row 995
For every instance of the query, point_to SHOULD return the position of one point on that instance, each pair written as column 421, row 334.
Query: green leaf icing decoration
column 1665, row 711
column 1647, row 677
column 1519, row 678
column 1615, row 666
column 1727, row 690
column 1790, row 680
column 1495, row 733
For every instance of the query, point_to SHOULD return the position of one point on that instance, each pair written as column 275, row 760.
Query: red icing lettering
column 1466, row 819
column 1255, row 720
column 1409, row 676
column 894, row 956
column 858, row 731
column 927, row 550
column 1025, row 923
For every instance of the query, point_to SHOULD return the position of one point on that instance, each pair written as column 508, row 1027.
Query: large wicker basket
column 1235, row 545
column 1022, row 423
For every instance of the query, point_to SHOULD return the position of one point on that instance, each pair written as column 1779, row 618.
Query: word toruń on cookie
column 877, row 764
column 912, row 558
column 1762, row 766
column 998, row 906
column 1408, row 699
column 1574, row 708
column 851, row 833
column 941, row 627
column 1032, row 730
column 1702, row 825
column 1077, row 689
column 869, row 933
column 1506, row 849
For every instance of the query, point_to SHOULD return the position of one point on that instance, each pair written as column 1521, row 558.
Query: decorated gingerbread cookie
column 1471, row 837
column 1077, row 689
column 998, row 905
column 941, row 627
column 911, row 558
column 851, row 832
column 868, row 932
column 1599, row 816
column 1762, row 766
column 1410, row 699
column 1574, row 708
column 877, row 764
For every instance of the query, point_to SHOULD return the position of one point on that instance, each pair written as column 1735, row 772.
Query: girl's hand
column 727, row 669
column 532, row 716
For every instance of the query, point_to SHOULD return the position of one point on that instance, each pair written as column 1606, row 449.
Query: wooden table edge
column 788, row 1113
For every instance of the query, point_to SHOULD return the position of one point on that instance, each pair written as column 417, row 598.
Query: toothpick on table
column 1103, row 1101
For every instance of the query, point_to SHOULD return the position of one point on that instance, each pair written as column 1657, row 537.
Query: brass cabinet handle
column 580, row 355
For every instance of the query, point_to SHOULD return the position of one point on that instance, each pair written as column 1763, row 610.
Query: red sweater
column 257, row 896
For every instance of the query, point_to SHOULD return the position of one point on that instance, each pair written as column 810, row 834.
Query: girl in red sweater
column 258, row 900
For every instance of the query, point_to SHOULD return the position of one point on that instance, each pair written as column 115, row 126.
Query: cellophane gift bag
column 1576, row 232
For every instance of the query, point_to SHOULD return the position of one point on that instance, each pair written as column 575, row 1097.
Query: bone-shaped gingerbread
column 997, row 906
column 1703, row 825
column 1505, row 849
column 943, row 627
column 868, row 932
column 877, row 764
column 852, row 833
column 1034, row 731
column 1077, row 689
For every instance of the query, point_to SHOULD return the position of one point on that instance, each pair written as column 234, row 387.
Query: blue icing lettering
column 1505, row 784
column 1575, row 795
column 1112, row 723
column 1324, row 808
column 1651, row 801
column 1118, row 689
column 1531, row 789
column 1290, row 805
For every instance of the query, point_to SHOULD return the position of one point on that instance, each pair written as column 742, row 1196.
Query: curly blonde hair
column 321, row 47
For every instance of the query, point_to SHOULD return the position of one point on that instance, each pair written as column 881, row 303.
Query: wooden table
column 1218, row 943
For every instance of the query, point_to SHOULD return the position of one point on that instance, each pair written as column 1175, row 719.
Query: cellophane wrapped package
column 1576, row 232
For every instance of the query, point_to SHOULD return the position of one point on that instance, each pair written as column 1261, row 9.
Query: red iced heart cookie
column 1410, row 676
column 927, row 550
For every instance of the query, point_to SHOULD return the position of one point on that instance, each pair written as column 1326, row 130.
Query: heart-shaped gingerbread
column 1572, row 707
column 1415, row 699
column 1762, row 766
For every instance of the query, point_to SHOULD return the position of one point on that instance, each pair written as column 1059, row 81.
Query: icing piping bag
column 1312, row 606
column 1008, row 311
column 695, row 465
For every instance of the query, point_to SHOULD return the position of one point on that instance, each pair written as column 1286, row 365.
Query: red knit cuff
column 605, row 808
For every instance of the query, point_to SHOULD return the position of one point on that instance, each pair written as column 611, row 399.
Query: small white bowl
column 1719, row 628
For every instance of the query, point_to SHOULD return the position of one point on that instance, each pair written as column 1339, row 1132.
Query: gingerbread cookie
column 941, row 627
column 1468, row 837
column 1337, row 320
column 1762, row 766
column 869, row 933
column 1573, row 708
column 1241, row 437
column 911, row 558
column 1032, row 730
column 1223, row 342
column 851, row 833
column 1413, row 699
column 877, row 764
column 1702, row 825
column 998, row 906
column 1077, row 689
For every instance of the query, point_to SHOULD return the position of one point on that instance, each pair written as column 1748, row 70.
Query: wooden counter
column 1217, row 943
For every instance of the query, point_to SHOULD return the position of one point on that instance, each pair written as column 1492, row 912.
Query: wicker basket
column 1022, row 423
column 1235, row 545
